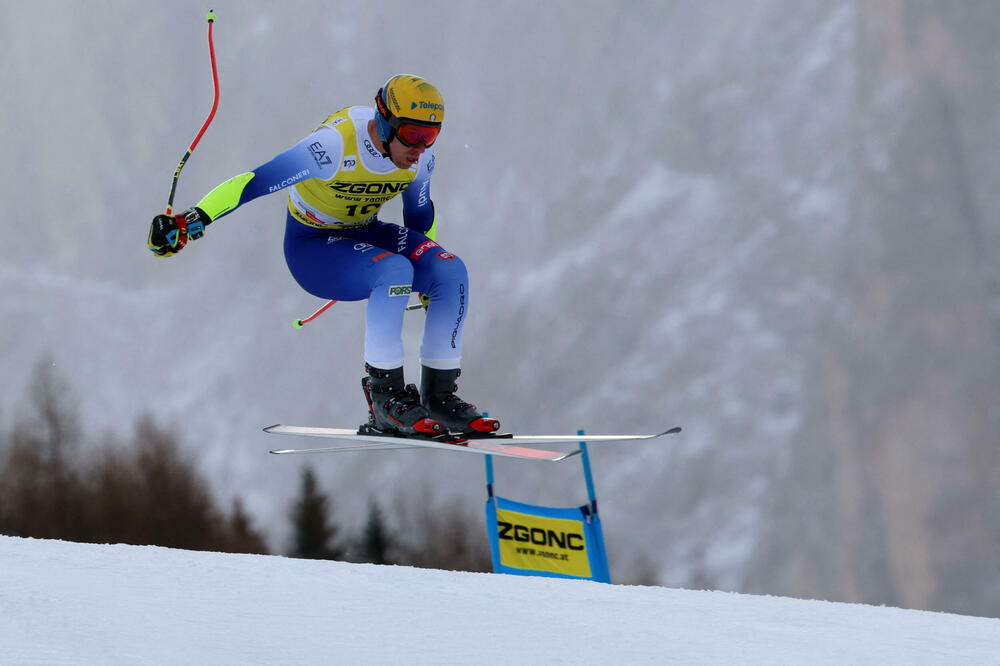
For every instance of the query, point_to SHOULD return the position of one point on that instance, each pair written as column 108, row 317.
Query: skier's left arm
column 418, row 209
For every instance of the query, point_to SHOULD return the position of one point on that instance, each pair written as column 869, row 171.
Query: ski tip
column 672, row 431
column 271, row 428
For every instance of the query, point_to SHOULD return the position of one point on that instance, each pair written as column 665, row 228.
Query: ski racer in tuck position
column 337, row 248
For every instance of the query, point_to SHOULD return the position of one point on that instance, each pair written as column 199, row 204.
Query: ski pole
column 299, row 323
column 215, row 105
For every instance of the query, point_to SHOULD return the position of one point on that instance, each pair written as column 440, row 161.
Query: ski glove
column 168, row 234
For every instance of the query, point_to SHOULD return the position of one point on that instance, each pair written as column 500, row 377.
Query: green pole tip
column 210, row 16
column 297, row 323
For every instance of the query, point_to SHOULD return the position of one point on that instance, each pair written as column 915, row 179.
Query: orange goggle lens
column 412, row 135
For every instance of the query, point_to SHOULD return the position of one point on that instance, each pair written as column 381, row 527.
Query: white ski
column 512, row 446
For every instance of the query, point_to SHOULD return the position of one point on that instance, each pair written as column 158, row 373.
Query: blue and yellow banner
column 542, row 541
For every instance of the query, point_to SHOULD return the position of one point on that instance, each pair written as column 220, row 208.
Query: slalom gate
column 531, row 540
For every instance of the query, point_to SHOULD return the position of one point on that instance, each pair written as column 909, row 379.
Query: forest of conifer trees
column 141, row 490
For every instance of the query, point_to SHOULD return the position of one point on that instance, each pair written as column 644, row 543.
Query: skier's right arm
column 317, row 156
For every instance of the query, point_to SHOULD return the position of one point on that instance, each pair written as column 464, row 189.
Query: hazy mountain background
column 771, row 223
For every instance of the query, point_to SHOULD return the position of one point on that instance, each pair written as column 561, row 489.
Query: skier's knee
column 394, row 270
column 449, row 269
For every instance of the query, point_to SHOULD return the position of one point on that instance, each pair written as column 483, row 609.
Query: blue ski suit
column 337, row 248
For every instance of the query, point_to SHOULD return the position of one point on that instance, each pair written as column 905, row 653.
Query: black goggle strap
column 385, row 113
column 380, row 105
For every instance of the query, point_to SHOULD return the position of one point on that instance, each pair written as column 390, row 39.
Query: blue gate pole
column 601, row 555
column 489, row 472
column 489, row 476
column 587, row 475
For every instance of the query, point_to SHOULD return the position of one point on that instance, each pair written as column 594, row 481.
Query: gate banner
column 541, row 541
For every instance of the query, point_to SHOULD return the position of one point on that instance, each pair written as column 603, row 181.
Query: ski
column 482, row 446
column 508, row 445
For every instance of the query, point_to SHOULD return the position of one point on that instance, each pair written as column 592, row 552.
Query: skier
column 337, row 248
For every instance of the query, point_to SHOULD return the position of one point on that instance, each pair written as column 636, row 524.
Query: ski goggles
column 411, row 133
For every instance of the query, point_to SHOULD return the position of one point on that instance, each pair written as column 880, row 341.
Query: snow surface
column 64, row 602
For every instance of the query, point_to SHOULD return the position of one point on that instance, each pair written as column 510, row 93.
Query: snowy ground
column 77, row 603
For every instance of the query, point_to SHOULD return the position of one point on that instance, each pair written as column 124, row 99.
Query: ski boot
column 437, row 394
column 394, row 408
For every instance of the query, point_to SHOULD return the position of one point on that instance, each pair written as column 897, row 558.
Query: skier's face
column 405, row 156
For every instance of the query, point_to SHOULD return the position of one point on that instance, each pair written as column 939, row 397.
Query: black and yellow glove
column 168, row 234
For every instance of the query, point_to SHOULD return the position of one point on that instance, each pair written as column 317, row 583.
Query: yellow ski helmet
column 411, row 109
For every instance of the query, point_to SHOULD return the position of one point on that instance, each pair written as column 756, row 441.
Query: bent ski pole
column 215, row 105
column 299, row 323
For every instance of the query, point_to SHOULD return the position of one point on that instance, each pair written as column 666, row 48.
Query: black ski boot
column 437, row 394
column 394, row 408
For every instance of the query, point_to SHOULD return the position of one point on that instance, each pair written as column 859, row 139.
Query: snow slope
column 63, row 602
